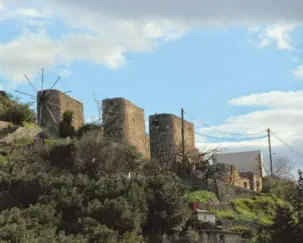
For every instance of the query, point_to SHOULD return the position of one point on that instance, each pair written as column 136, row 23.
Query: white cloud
column 273, row 99
column 284, row 119
column 9, row 12
column 103, row 31
column 298, row 73
column 277, row 35
column 26, row 55
column 203, row 11
column 64, row 73
column 31, row 51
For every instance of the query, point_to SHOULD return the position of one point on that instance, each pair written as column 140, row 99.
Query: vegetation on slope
column 201, row 197
column 259, row 209
column 12, row 110
column 80, row 192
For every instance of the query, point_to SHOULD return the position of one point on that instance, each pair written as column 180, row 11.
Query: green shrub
column 228, row 214
column 246, row 232
column 17, row 114
column 88, row 127
column 200, row 197
column 66, row 128
column 259, row 209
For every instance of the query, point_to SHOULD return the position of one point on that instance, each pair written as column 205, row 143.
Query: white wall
column 206, row 217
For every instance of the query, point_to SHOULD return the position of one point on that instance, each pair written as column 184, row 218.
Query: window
column 245, row 185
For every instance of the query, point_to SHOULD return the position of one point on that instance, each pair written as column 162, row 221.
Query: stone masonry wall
column 58, row 103
column 228, row 174
column 254, row 181
column 124, row 122
column 224, row 192
column 165, row 136
column 68, row 103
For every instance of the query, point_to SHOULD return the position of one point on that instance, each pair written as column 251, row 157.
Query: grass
column 260, row 209
column 200, row 197
column 29, row 125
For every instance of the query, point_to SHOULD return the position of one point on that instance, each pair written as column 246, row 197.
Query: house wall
column 124, row 122
column 165, row 136
column 245, row 183
column 206, row 217
column 254, row 181
column 251, row 161
column 214, row 237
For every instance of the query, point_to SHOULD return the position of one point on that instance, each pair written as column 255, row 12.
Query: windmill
column 43, row 99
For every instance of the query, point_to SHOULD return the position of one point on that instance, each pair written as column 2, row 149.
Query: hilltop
column 89, row 188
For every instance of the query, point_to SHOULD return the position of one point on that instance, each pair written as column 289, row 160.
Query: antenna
column 99, row 105
column 42, row 99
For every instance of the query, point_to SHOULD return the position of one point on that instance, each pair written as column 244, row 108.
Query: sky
column 235, row 65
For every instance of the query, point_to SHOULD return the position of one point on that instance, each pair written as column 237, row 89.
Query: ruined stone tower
column 165, row 136
column 58, row 103
column 124, row 122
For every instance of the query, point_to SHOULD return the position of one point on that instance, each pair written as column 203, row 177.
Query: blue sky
column 237, row 67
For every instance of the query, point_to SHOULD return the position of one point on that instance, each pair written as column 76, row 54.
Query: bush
column 87, row 128
column 18, row 114
column 66, row 128
column 200, row 197
column 246, row 232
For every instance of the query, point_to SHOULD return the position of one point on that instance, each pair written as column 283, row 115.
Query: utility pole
column 300, row 200
column 183, row 143
column 270, row 155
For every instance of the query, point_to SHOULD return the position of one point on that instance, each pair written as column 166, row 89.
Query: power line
column 230, row 139
column 231, row 134
column 289, row 146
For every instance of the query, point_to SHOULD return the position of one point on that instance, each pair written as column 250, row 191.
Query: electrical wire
column 289, row 146
column 231, row 134
column 230, row 139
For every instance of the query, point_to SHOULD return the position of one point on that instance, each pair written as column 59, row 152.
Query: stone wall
column 228, row 174
column 58, row 103
column 68, row 103
column 124, row 122
column 254, row 181
column 224, row 192
column 165, row 136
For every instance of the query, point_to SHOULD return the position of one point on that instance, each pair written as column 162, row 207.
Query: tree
column 282, row 168
column 97, row 156
column 168, row 212
column 195, row 161
column 79, row 191
column 285, row 228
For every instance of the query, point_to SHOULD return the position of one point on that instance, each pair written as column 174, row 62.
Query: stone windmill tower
column 52, row 103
